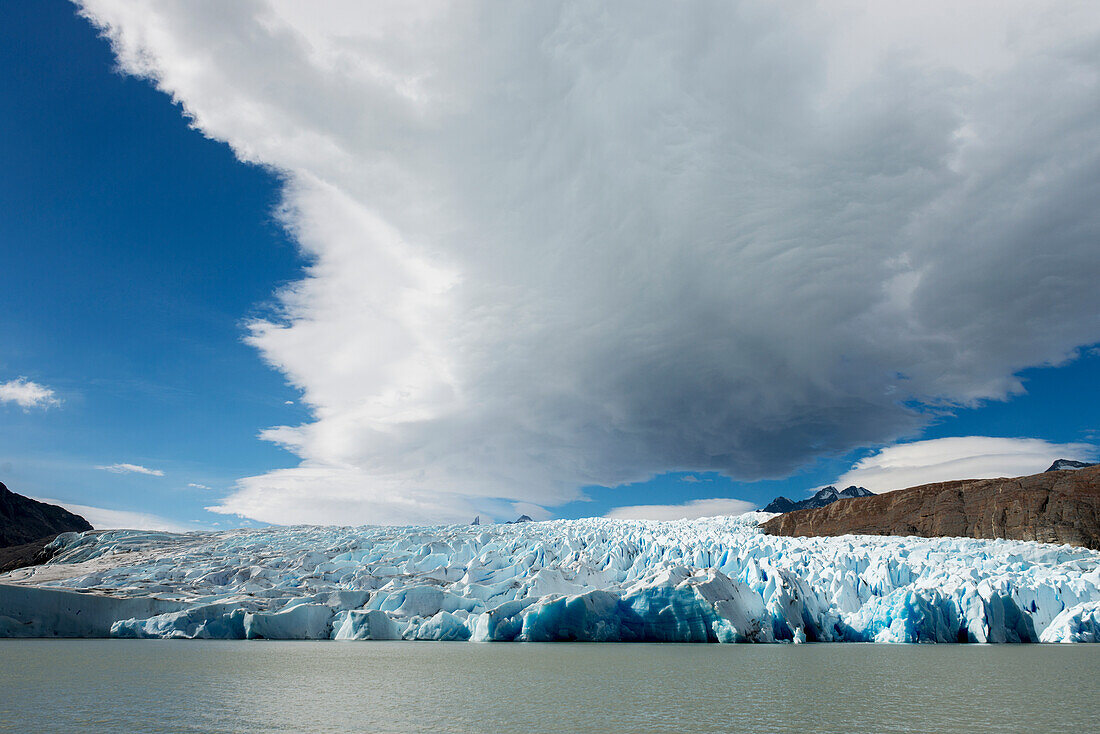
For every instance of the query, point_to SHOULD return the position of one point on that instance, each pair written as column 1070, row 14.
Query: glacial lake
column 197, row 686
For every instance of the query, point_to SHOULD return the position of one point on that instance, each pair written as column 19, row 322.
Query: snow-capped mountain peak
column 823, row 496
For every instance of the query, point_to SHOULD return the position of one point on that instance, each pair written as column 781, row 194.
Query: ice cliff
column 708, row 580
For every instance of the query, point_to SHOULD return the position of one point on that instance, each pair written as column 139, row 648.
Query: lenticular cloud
column 563, row 243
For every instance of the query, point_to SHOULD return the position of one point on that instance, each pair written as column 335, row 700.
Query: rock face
column 822, row 497
column 23, row 520
column 1052, row 507
column 27, row 554
column 27, row 526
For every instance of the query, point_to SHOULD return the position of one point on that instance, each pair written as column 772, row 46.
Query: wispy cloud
column 196, row 485
column 27, row 394
column 686, row 511
column 131, row 469
column 103, row 518
column 964, row 457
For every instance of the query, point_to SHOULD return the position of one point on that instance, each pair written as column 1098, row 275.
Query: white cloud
column 103, row 518
column 196, row 485
column 27, row 394
column 687, row 511
column 569, row 243
column 965, row 457
column 325, row 495
column 131, row 469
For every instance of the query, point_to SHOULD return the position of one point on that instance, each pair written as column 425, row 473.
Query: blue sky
column 132, row 249
column 135, row 251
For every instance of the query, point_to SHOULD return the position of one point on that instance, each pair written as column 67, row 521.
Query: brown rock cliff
column 1053, row 507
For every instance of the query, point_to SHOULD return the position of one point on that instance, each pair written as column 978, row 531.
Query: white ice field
column 709, row 580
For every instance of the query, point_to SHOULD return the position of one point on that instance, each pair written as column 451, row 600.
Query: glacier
column 708, row 580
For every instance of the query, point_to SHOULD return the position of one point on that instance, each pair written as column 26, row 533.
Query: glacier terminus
column 715, row 579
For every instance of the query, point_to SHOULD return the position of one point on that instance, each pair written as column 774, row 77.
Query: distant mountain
column 521, row 518
column 27, row 526
column 822, row 497
column 1064, row 464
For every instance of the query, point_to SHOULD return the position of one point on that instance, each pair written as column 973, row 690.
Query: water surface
column 195, row 686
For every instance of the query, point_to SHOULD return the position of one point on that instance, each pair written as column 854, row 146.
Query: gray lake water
column 192, row 686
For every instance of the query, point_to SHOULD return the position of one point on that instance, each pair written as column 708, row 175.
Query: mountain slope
column 23, row 520
column 1052, row 507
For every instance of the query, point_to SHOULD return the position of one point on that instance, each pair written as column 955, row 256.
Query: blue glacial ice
column 709, row 580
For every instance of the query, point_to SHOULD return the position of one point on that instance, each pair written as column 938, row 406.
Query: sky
column 268, row 265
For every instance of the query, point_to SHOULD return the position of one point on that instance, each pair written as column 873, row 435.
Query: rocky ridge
column 1061, row 506
column 27, row 526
